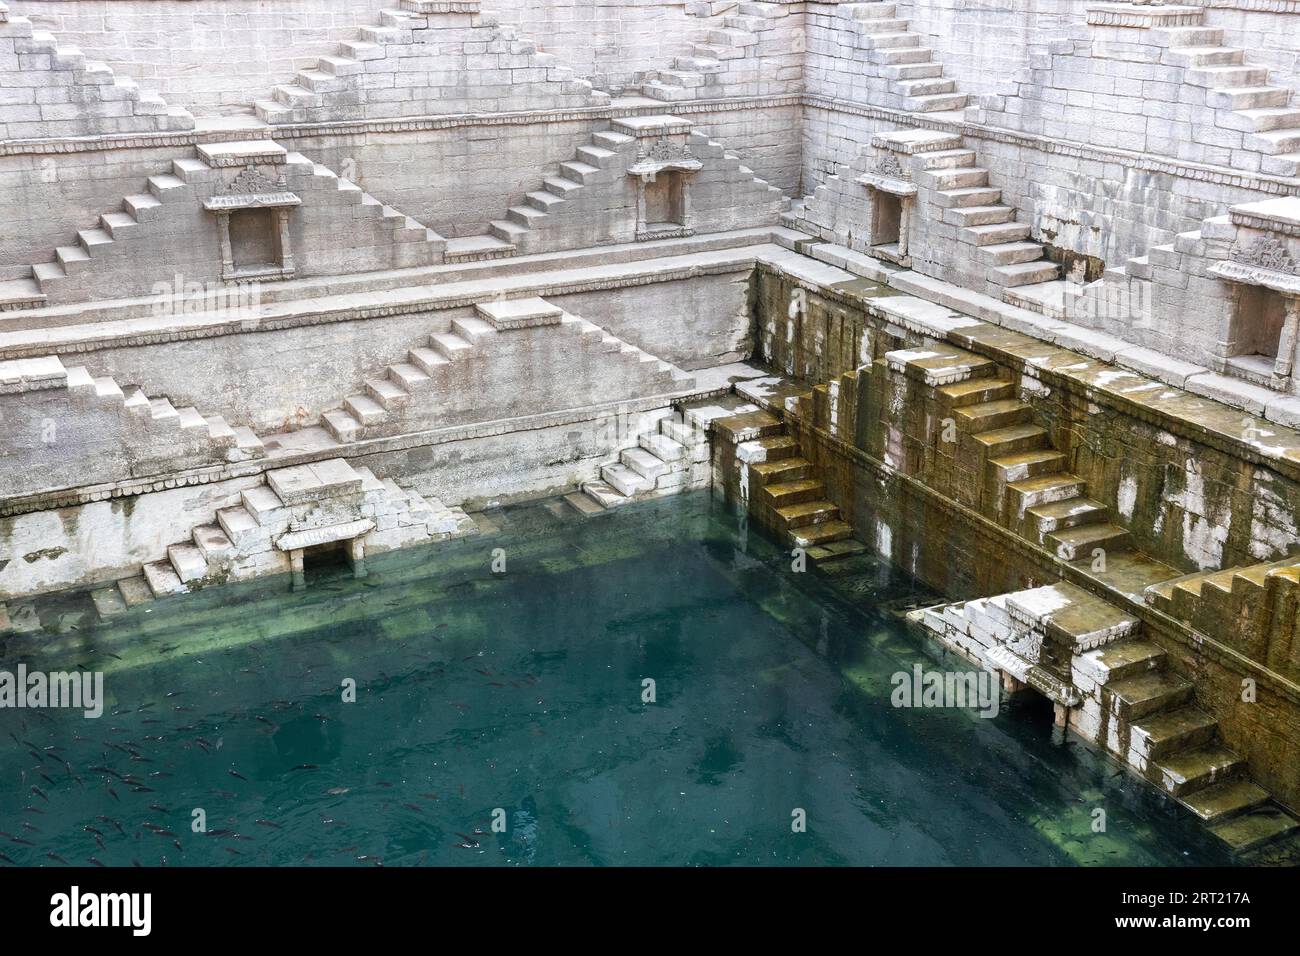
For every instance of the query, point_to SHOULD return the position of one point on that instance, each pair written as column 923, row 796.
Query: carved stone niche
column 891, row 195
column 253, row 227
column 1264, row 329
column 663, row 170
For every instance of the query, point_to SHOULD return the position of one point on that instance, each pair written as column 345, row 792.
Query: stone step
column 912, row 71
column 1256, row 828
column 213, row 542
column 1071, row 513
column 1011, row 253
column 1248, row 98
column 958, row 178
column 1148, row 693
column 1275, row 141
column 937, row 103
column 1072, row 544
column 781, row 471
column 975, row 391
column 1191, row 770
column 386, row 392
column 409, row 377
column 163, row 579
column 365, row 409
column 1001, row 442
column 1224, row 800
column 648, row 466
column 970, row 196
column 927, row 86
column 815, row 535
column 970, row 216
column 477, row 248
column 663, row 447
column 1168, row 732
column 808, row 512
column 585, row 503
column 605, row 494
column 108, row 602
column 1225, row 76
column 1199, row 56
column 1261, row 120
column 189, row 563
column 135, row 591
column 341, row 425
column 1044, row 489
column 578, row 172
column 988, row 416
column 899, row 55
column 624, row 480
column 1025, row 273
column 779, row 447
column 795, row 491
column 450, row 345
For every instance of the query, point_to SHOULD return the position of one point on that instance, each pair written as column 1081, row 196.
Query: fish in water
column 237, row 775
column 305, row 766
column 56, row 857
column 95, row 861
column 267, row 823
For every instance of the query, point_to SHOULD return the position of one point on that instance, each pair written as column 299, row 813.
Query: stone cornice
column 150, row 331
column 1147, row 162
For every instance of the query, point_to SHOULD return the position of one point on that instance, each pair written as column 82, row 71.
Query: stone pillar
column 1286, row 344
column 295, row 565
column 904, row 219
column 357, row 555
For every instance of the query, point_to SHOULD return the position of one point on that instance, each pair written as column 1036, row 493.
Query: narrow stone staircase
column 1032, row 491
column 72, row 79
column 672, row 456
column 431, row 367
column 732, row 33
column 575, row 195
column 357, row 80
column 1240, row 95
column 917, row 81
column 113, row 243
column 179, row 428
column 245, row 539
column 985, row 223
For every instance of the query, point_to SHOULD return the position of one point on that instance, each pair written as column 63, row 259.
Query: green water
column 522, row 693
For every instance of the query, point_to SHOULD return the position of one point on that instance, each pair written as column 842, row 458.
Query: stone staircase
column 1030, row 488
column 425, row 38
column 956, row 190
column 917, row 83
column 252, row 537
column 168, row 205
column 432, row 367
column 1091, row 659
column 732, row 34
column 1240, row 95
column 672, row 456
column 177, row 428
column 105, row 103
column 570, row 210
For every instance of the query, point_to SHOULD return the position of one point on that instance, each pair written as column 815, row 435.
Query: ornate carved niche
column 253, row 226
column 663, row 170
column 1264, row 329
column 891, row 195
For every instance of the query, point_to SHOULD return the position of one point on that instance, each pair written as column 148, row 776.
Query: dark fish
column 89, row 829
column 157, row 809
column 412, row 806
column 95, row 861
column 267, row 823
column 22, row 842
column 305, row 766
column 34, row 810
column 232, row 851
column 31, row 828
column 237, row 774
column 55, row 856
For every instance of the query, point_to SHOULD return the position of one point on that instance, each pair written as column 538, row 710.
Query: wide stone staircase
column 1090, row 657
column 429, row 40
column 917, row 81
column 433, row 367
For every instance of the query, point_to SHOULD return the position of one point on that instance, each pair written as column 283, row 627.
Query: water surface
column 518, row 696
